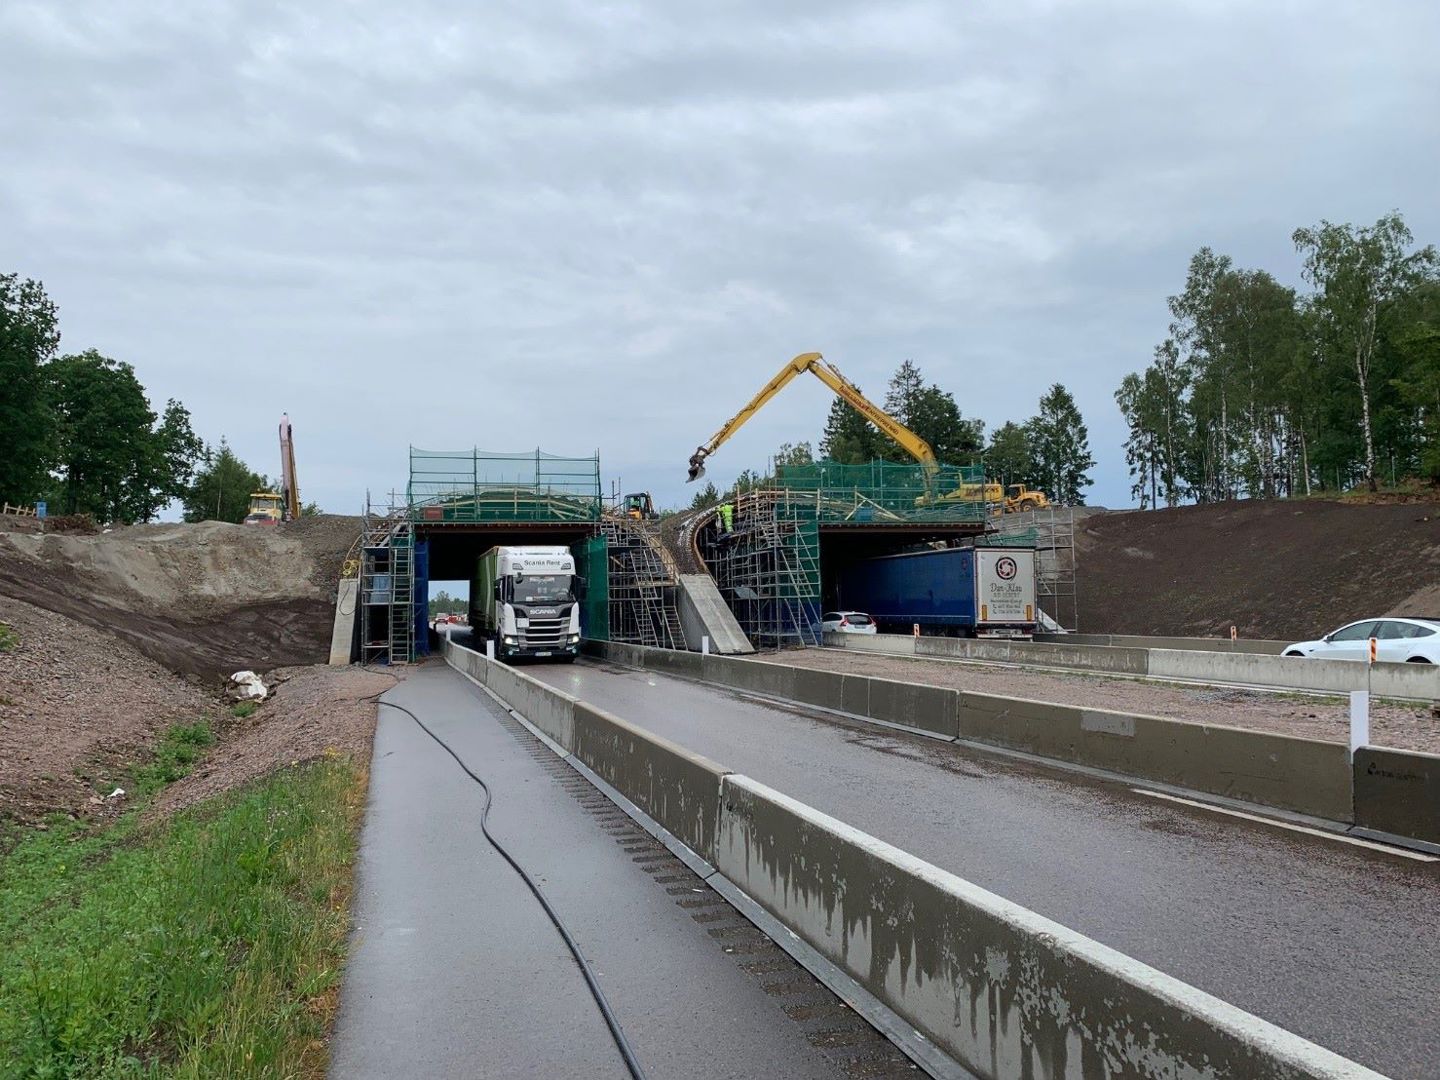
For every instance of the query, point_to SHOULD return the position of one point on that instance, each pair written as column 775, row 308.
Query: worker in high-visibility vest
column 727, row 517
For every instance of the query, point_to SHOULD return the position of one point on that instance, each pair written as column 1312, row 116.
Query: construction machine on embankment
column 1021, row 499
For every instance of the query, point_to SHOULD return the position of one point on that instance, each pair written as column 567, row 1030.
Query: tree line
column 1259, row 390
column 1050, row 450
column 82, row 436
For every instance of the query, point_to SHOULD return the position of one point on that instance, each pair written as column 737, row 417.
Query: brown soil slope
column 77, row 708
column 1282, row 569
column 203, row 600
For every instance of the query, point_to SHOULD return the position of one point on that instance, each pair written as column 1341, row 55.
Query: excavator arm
column 290, row 487
column 826, row 372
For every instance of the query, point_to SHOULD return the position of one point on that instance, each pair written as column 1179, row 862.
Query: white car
column 847, row 622
column 1397, row 641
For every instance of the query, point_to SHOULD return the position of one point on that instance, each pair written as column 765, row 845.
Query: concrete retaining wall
column 1002, row 990
column 1398, row 792
column 1412, row 682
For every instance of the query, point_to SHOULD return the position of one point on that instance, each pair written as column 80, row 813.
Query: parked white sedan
column 1397, row 641
column 847, row 622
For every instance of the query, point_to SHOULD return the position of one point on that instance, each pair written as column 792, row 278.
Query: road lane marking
column 1404, row 853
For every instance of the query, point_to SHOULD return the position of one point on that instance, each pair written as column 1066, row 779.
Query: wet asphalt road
column 1337, row 943
column 456, row 972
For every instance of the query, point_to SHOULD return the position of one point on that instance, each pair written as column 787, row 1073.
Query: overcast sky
column 586, row 225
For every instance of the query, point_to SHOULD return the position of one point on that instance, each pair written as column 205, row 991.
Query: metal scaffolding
column 766, row 562
column 387, row 587
column 641, row 589
column 1052, row 531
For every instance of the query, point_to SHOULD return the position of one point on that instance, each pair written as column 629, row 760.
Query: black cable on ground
column 632, row 1063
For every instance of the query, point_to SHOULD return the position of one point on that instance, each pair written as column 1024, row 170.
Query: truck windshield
column 542, row 589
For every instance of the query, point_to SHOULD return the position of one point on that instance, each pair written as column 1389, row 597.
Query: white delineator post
column 1360, row 706
column 705, row 644
column 489, row 648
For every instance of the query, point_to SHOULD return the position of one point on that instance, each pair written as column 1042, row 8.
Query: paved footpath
column 455, row 971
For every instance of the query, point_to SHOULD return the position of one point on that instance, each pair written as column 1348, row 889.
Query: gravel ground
column 77, row 705
column 312, row 712
column 1406, row 727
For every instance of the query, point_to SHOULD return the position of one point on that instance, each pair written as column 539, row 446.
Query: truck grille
column 544, row 633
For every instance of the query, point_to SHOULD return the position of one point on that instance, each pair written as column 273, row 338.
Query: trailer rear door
column 1005, row 589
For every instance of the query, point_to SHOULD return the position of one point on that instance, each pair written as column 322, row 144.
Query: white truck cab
column 526, row 600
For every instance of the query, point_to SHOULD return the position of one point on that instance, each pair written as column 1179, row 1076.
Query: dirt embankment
column 77, row 707
column 203, row 600
column 1290, row 569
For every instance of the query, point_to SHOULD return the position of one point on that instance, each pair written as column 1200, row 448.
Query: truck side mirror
column 581, row 587
column 497, row 590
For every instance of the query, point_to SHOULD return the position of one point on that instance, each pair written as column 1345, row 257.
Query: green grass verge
column 8, row 638
column 207, row 945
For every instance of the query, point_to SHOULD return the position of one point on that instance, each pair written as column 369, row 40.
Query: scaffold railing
column 475, row 486
column 888, row 491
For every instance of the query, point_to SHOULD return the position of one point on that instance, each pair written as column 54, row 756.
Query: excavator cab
column 640, row 507
column 266, row 508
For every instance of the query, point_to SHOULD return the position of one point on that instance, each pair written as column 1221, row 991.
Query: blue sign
column 39, row 509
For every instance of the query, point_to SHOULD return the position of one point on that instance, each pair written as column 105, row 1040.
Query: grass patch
column 8, row 637
column 209, row 945
column 242, row 709
column 179, row 748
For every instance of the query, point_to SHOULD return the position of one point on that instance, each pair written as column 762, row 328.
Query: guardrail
column 998, row 989
column 1410, row 682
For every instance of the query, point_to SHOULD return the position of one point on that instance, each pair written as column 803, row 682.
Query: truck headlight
column 509, row 641
column 574, row 638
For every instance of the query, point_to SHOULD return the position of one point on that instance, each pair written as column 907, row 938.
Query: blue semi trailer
column 966, row 592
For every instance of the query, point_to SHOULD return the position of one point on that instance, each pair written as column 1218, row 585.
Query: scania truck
column 526, row 600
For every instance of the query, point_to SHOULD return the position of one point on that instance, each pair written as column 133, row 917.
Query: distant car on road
column 847, row 622
column 1397, row 641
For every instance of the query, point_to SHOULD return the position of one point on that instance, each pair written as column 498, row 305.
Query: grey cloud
column 408, row 225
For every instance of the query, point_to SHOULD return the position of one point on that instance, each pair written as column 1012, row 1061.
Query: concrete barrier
column 1307, row 776
column 777, row 680
column 1412, row 682
column 1143, row 641
column 1110, row 659
column 680, row 790
column 1002, row 990
column 1419, row 682
column 1398, row 792
column 930, row 708
column 1304, row 775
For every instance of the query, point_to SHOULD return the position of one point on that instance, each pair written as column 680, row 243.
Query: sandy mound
column 204, row 599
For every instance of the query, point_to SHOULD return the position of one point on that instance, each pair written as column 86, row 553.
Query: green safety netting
column 880, row 491
column 477, row 486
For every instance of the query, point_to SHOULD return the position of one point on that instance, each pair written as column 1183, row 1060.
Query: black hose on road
column 632, row 1063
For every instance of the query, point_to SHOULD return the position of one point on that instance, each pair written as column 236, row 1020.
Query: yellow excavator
column 273, row 507
column 1019, row 497
column 827, row 373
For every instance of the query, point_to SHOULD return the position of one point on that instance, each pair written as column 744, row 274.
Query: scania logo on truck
column 1005, row 568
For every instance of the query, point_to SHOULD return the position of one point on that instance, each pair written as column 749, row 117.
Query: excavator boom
column 843, row 387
